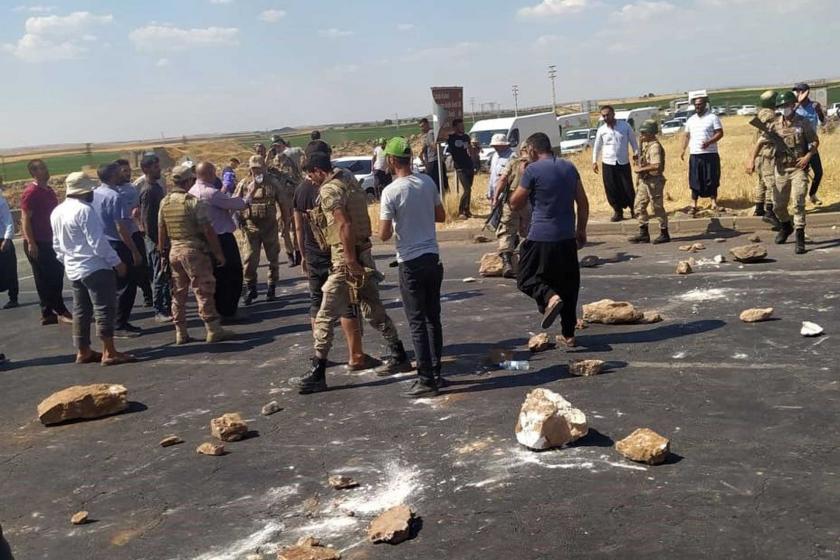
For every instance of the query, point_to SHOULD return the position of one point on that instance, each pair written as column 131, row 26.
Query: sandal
column 551, row 313
column 93, row 358
column 119, row 360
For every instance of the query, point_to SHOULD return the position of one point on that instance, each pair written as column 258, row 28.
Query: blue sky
column 85, row 70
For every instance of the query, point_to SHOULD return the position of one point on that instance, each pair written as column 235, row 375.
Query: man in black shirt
column 316, row 265
column 151, row 194
column 459, row 148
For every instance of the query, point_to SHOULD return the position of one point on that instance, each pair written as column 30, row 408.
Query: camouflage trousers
column 512, row 225
column 766, row 184
column 336, row 300
column 252, row 237
column 286, row 224
column 651, row 191
column 791, row 181
column 192, row 268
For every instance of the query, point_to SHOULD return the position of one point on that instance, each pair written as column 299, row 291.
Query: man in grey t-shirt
column 410, row 206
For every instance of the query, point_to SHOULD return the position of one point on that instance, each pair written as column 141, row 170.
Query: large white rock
column 548, row 420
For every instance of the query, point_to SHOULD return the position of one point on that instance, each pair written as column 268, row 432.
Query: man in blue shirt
column 548, row 262
column 812, row 111
column 131, row 200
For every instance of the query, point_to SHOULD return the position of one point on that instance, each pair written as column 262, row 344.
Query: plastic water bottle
column 516, row 365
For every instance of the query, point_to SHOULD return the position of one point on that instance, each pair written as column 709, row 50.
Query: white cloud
column 170, row 38
column 271, row 16
column 333, row 33
column 644, row 10
column 57, row 37
column 554, row 8
column 35, row 9
column 162, row 62
column 405, row 26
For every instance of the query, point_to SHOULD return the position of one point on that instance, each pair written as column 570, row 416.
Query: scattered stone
column 498, row 355
column 228, row 427
column 254, row 557
column 586, row 368
column 650, row 317
column 719, row 259
column 209, row 448
column 611, row 312
column 169, row 441
column 79, row 518
column 341, row 482
column 720, row 240
column 749, row 253
column 811, row 329
column 481, row 239
column 540, row 342
column 755, row 238
column 644, row 446
column 756, row 314
column 468, row 280
column 308, row 548
column 271, row 408
column 491, row 265
column 548, row 420
column 684, row 267
column 83, row 402
column 392, row 526
column 589, row 261
column 693, row 248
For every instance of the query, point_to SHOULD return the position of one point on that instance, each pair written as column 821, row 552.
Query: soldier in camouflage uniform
column 802, row 143
column 259, row 227
column 513, row 224
column 289, row 176
column 765, row 163
column 650, row 189
column 341, row 223
column 187, row 238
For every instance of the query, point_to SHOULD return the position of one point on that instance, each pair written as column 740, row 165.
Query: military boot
column 784, row 232
column 182, row 335
column 664, row 237
column 642, row 237
column 771, row 218
column 396, row 362
column 249, row 294
column 316, row 380
column 800, row 241
column 215, row 332
column 507, row 265
column 759, row 209
column 271, row 292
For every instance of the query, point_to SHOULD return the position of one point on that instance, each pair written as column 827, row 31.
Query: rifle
column 774, row 137
column 495, row 216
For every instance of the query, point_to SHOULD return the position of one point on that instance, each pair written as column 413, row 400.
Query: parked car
column 360, row 167
column 719, row 111
column 733, row 110
column 672, row 127
column 748, row 111
column 578, row 140
column 833, row 110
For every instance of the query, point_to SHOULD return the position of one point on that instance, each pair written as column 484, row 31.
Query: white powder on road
column 710, row 294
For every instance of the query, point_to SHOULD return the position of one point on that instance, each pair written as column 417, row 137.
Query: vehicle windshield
column 581, row 134
column 672, row 123
column 354, row 166
column 484, row 136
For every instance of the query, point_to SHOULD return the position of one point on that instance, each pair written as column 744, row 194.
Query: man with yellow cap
column 89, row 261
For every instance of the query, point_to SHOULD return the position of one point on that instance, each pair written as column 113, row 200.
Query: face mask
column 787, row 111
column 258, row 178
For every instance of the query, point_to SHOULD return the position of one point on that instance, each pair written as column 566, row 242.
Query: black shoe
column 250, row 294
column 420, row 389
column 440, row 380
column 271, row 292
column 800, row 242
column 298, row 258
column 507, row 265
column 147, row 303
column 784, row 232
column 11, row 304
column 664, row 237
column 771, row 218
column 642, row 237
column 51, row 319
column 759, row 209
column 617, row 216
column 290, row 257
column 127, row 331
column 316, row 380
column 396, row 362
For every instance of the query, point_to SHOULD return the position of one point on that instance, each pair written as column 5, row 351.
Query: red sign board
column 448, row 106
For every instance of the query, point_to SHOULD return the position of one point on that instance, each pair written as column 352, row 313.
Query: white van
column 516, row 130
column 635, row 117
column 573, row 121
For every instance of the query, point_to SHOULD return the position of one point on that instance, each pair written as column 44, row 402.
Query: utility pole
column 472, row 105
column 515, row 89
column 552, row 74
column 397, row 121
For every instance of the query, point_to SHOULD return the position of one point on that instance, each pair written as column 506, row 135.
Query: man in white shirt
column 411, row 206
column 89, row 262
column 612, row 143
column 380, row 166
column 8, row 256
column 429, row 155
column 703, row 131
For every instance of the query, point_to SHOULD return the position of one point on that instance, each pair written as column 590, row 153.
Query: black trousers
column 48, row 273
column 126, row 286
column 618, row 184
column 144, row 272
column 817, row 168
column 551, row 268
column 9, row 272
column 420, row 281
column 432, row 171
column 465, row 177
column 228, row 277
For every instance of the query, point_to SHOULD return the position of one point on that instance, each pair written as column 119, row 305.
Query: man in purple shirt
column 221, row 205
column 229, row 176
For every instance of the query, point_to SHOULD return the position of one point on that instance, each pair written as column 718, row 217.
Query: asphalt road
column 751, row 411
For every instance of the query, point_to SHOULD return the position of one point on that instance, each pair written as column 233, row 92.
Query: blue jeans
column 161, row 294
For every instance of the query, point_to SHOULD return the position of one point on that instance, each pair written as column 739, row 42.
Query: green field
column 58, row 165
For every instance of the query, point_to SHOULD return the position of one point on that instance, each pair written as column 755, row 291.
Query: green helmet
column 785, row 98
column 650, row 126
column 767, row 99
column 398, row 146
